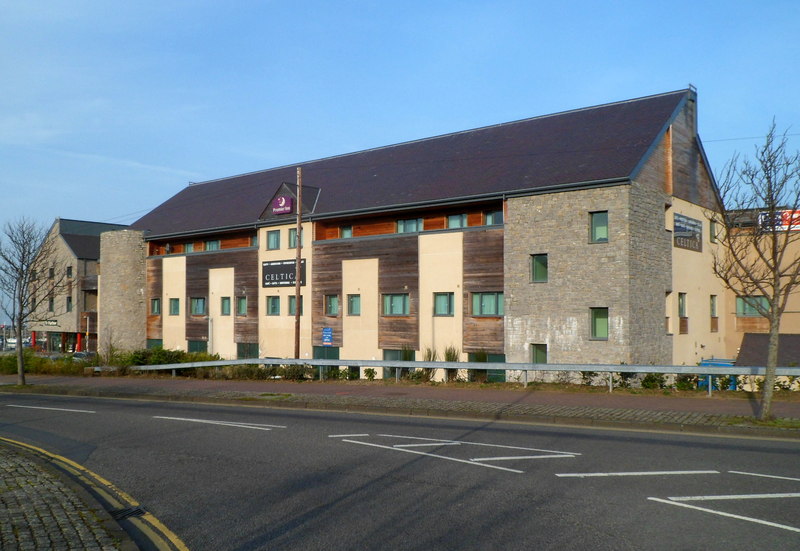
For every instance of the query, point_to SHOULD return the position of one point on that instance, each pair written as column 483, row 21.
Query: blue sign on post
column 327, row 336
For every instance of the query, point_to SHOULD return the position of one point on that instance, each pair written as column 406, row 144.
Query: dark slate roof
column 590, row 145
column 83, row 237
column 753, row 351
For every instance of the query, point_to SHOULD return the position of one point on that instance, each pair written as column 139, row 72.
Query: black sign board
column 688, row 233
column 280, row 273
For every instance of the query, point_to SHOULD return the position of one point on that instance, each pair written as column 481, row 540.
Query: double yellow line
column 111, row 498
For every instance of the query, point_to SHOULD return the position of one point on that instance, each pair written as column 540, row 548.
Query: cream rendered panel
column 174, row 282
column 220, row 284
column 692, row 273
column 441, row 270
column 360, row 338
column 276, row 333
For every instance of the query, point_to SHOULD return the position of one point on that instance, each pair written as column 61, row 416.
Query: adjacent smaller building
column 66, row 320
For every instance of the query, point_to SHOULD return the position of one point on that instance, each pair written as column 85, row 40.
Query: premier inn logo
column 282, row 205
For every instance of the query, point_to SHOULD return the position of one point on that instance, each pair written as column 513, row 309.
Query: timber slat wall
column 483, row 272
column 398, row 272
column 155, row 290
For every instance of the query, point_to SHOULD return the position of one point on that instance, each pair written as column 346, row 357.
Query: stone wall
column 122, row 308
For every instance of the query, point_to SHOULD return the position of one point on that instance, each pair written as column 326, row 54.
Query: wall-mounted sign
column 688, row 233
column 783, row 220
column 282, row 205
column 327, row 336
column 280, row 273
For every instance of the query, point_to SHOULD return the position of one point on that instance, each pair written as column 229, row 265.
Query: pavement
column 50, row 509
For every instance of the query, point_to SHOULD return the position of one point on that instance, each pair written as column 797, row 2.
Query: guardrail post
column 709, row 385
column 526, row 378
column 320, row 373
column 610, row 382
column 397, row 374
column 173, row 373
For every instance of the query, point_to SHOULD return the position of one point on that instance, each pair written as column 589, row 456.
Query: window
column 197, row 346
column 292, row 302
column 331, row 305
column 188, row 247
column 411, row 225
column 246, row 350
column 713, row 306
column 539, row 353
column 395, row 304
column 599, row 323
column 174, row 306
column 155, row 306
column 225, row 306
column 254, row 240
column 681, row 305
column 273, row 240
column 69, row 304
column 487, row 304
column 51, row 273
column 457, row 221
column 598, row 222
column 747, row 306
column 539, row 268
column 493, row 217
column 353, row 305
column 293, row 238
column 51, row 304
column 443, row 304
column 346, row 232
column 212, row 245
column 69, row 271
column 712, row 231
column 274, row 306
column 197, row 306
column 241, row 306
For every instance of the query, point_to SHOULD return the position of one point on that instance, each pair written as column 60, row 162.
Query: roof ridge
column 439, row 136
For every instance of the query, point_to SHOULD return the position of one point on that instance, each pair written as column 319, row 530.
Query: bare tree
column 759, row 253
column 30, row 276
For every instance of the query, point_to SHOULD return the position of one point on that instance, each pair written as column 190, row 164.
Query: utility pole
column 297, row 263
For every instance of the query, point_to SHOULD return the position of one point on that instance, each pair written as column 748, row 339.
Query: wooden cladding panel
column 754, row 324
column 398, row 272
column 245, row 284
column 483, row 272
column 154, row 268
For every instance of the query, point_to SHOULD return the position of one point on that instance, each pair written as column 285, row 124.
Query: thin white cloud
column 127, row 163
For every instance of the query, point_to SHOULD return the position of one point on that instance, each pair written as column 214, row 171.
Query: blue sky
column 109, row 108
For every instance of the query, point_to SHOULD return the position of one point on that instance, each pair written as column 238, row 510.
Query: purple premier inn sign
column 282, row 205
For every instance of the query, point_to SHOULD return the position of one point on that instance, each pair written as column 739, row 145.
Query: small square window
column 598, row 222
column 345, row 232
column 331, row 305
column 749, row 306
column 174, row 306
column 493, row 217
column 241, row 306
column 69, row 271
column 254, row 240
column 487, row 304
column 188, row 248
column 353, row 305
column 292, row 307
column 539, row 353
column 225, row 306
column 274, row 306
column 51, row 273
column 69, row 304
column 443, row 304
column 197, row 306
column 457, row 221
column 396, row 304
column 681, row 305
column 293, row 238
column 51, row 304
column 539, row 268
column 599, row 323
column 212, row 245
column 155, row 306
column 410, row 225
column 273, row 240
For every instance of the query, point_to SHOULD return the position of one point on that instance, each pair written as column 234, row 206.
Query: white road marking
column 479, row 444
column 256, row 426
column 406, row 450
column 733, row 496
column 346, row 435
column 767, row 475
column 724, row 514
column 643, row 473
column 513, row 457
column 427, row 445
column 51, row 409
